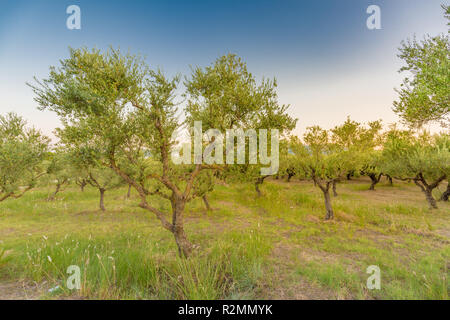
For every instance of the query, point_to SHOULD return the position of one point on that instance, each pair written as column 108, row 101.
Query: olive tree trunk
column 177, row 200
column 328, row 207
column 374, row 180
column 206, row 202
column 259, row 182
column 446, row 194
column 391, row 183
column 335, row 194
column 427, row 188
column 52, row 197
column 430, row 199
column 82, row 183
column 325, row 187
column 102, row 197
column 185, row 247
column 5, row 196
column 129, row 191
column 291, row 173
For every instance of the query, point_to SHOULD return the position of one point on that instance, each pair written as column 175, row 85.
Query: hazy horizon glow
column 327, row 63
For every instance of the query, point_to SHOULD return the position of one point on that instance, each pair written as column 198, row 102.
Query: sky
column 328, row 64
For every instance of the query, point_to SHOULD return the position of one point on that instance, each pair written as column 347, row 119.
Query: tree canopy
column 22, row 151
column 424, row 95
column 422, row 158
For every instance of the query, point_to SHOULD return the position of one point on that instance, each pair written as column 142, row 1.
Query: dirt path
column 20, row 291
column 285, row 285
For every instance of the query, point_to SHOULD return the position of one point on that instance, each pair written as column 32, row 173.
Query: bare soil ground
column 21, row 290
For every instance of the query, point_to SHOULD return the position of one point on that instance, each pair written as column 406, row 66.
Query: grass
column 273, row 247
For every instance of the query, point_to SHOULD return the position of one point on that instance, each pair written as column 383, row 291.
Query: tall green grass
column 124, row 253
column 134, row 266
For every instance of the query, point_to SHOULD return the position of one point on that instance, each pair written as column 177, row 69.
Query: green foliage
column 424, row 96
column 320, row 159
column 59, row 170
column 120, row 123
column 22, row 151
column 352, row 135
column 227, row 96
column 423, row 158
column 407, row 155
column 250, row 248
column 124, row 114
column 288, row 164
column 362, row 143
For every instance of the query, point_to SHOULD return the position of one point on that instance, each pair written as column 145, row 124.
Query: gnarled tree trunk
column 129, row 191
column 102, row 196
column 427, row 189
column 446, row 194
column 328, row 207
column 258, row 191
column 430, row 199
column 374, row 180
column 52, row 197
column 178, row 203
column 184, row 245
column 290, row 175
column 259, row 182
column 5, row 196
column 206, row 202
column 83, row 184
column 391, row 183
column 335, row 194
column 325, row 187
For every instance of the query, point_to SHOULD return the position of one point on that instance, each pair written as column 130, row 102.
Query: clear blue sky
column 328, row 64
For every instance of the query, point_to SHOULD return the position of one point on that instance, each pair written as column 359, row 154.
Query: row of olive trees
column 26, row 159
column 22, row 152
column 65, row 166
column 123, row 115
column 120, row 115
column 327, row 156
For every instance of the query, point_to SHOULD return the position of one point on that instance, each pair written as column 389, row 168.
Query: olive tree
column 288, row 164
column 225, row 96
column 88, row 162
column 85, row 161
column 446, row 194
column 371, row 166
column 80, row 178
column 423, row 158
column 424, row 95
column 116, row 100
column 22, row 152
column 323, row 162
column 103, row 179
column 58, row 172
